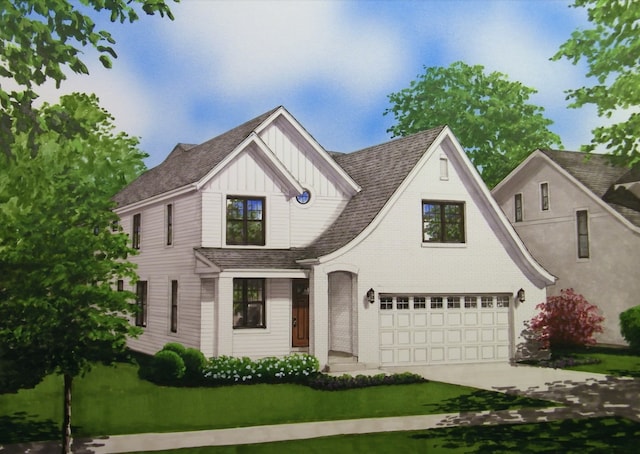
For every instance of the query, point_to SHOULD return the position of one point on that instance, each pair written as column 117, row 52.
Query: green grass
column 113, row 400
column 597, row 435
column 616, row 362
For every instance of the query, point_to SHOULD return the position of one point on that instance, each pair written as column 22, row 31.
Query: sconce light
column 371, row 296
column 521, row 295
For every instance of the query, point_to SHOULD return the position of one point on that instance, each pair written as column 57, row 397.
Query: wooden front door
column 300, row 313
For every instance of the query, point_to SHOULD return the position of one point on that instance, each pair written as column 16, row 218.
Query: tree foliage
column 567, row 320
column 611, row 50
column 490, row 115
column 39, row 40
column 630, row 326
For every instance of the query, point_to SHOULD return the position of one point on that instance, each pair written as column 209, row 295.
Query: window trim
column 245, row 221
column 545, row 199
column 246, row 303
column 579, row 234
column 443, row 204
column 518, row 207
column 136, row 231
column 173, row 309
column 142, row 303
column 169, row 223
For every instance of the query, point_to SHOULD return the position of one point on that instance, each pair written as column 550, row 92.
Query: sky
column 331, row 64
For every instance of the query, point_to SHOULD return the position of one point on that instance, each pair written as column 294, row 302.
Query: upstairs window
column 169, row 224
column 249, row 303
column 544, row 196
column 443, row 222
column 135, row 237
column 582, row 221
column 245, row 221
column 518, row 207
column 141, row 302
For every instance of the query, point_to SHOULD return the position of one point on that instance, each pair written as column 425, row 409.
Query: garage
column 438, row 329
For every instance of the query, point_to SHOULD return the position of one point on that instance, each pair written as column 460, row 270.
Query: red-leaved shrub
column 568, row 320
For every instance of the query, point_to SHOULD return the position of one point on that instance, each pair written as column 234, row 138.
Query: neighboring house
column 580, row 217
column 259, row 242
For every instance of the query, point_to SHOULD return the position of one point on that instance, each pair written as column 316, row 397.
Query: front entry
column 300, row 313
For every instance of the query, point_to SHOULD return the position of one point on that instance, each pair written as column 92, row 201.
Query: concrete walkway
column 581, row 395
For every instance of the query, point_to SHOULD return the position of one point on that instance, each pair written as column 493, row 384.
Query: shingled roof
column 598, row 174
column 187, row 164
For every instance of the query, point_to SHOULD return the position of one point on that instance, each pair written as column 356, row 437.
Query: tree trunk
column 66, row 424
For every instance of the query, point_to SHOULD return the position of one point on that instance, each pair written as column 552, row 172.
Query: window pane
column 254, row 209
column 255, row 233
column 431, row 221
column 235, row 209
column 255, row 315
column 255, row 289
column 238, row 314
column 235, row 232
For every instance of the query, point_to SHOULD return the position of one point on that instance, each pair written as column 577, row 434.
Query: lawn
column 613, row 361
column 113, row 400
column 595, row 435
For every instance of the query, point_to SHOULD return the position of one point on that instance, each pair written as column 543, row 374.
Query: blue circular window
column 304, row 198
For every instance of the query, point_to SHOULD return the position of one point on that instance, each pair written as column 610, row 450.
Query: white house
column 579, row 215
column 259, row 242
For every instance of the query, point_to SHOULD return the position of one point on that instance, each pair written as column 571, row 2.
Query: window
column 402, row 302
column 136, row 231
column 248, row 303
column 470, row 302
column 304, row 198
column 245, row 221
column 582, row 220
column 174, row 306
column 444, row 168
column 486, row 302
column 544, row 196
column 141, row 302
column 502, row 301
column 442, row 222
column 453, row 302
column 115, row 225
column 518, row 207
column 436, row 302
column 169, row 224
column 386, row 303
column 419, row 302
column 120, row 285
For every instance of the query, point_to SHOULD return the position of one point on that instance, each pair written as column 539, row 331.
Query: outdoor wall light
column 371, row 296
column 521, row 295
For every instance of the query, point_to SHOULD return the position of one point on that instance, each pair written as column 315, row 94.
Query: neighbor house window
column 169, row 224
column 245, row 221
column 174, row 306
column 518, row 207
column 141, row 302
column 442, row 222
column 135, row 237
column 544, row 196
column 249, row 303
column 582, row 219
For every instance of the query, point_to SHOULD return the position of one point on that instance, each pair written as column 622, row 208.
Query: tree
column 489, row 114
column 38, row 40
column 612, row 51
column 567, row 320
column 59, row 256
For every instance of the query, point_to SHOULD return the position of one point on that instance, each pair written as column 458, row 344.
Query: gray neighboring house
column 579, row 215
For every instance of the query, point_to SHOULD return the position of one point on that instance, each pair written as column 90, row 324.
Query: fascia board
column 155, row 199
column 354, row 187
column 269, row 273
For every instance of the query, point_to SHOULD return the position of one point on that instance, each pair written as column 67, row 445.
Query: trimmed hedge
column 167, row 367
column 630, row 327
column 330, row 383
column 294, row 368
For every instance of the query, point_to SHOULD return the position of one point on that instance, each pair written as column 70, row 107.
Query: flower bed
column 294, row 368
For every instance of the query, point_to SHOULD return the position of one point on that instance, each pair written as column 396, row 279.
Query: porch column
column 319, row 315
column 207, row 317
column 224, row 317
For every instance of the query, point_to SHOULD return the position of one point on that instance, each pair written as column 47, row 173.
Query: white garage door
column 443, row 329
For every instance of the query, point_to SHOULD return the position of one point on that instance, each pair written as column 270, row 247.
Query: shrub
column 194, row 362
column 330, row 383
column 175, row 347
column 630, row 326
column 567, row 321
column 290, row 369
column 167, row 367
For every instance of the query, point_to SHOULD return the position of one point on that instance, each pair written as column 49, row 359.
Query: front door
column 300, row 313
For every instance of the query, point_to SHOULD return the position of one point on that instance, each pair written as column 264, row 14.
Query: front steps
column 346, row 363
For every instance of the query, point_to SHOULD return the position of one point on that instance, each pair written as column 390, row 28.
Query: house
column 259, row 242
column 579, row 215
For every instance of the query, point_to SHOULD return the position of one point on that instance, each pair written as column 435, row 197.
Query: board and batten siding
column 159, row 264
column 480, row 265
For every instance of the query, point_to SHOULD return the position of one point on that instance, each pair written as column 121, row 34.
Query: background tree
column 39, row 39
column 488, row 113
column 612, row 51
column 59, row 258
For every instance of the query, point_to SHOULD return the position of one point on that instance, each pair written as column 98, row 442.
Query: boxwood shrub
column 167, row 367
column 630, row 327
column 333, row 383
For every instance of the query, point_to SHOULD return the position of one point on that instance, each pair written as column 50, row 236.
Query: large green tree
column 59, row 255
column 612, row 52
column 490, row 115
column 40, row 40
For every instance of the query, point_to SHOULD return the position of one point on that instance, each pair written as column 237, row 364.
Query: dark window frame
column 443, row 222
column 136, row 231
column 582, row 230
column 174, row 306
column 517, row 201
column 245, row 221
column 142, row 294
column 169, row 215
column 544, row 196
column 244, row 303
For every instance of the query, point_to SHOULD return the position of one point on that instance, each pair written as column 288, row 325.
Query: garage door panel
column 436, row 320
column 487, row 318
column 387, row 338
column 419, row 320
column 386, row 320
column 437, row 336
column 454, row 336
column 404, row 337
column 454, row 319
column 420, row 337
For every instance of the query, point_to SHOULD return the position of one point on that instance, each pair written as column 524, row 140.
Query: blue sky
column 332, row 64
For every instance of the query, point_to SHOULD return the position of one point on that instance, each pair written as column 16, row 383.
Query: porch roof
column 230, row 259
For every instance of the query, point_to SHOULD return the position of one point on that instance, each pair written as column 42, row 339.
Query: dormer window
column 245, row 221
